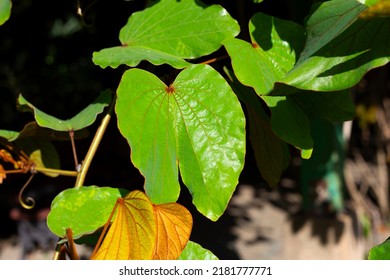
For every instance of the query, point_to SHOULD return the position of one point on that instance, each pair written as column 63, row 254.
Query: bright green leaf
column 5, row 10
column 380, row 252
column 169, row 32
column 83, row 119
column 193, row 251
column 345, row 60
column 185, row 124
column 290, row 123
column 41, row 152
column 275, row 45
column 83, row 210
column 327, row 21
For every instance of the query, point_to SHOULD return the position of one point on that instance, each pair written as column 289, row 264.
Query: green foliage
column 5, row 10
column 187, row 123
column 380, row 251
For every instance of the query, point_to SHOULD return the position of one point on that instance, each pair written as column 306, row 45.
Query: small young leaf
column 132, row 233
column 83, row 119
column 174, row 225
column 194, row 251
column 169, row 32
column 83, row 210
column 5, row 10
column 195, row 123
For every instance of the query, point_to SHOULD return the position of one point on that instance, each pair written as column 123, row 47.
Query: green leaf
column 275, row 45
column 345, row 60
column 83, row 119
column 5, row 10
column 193, row 251
column 41, row 152
column 169, row 32
column 327, row 21
column 380, row 252
column 335, row 106
column 195, row 123
column 271, row 153
column 290, row 123
column 84, row 210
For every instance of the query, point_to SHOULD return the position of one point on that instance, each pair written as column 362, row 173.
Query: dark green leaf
column 195, row 123
column 5, row 10
column 83, row 210
column 169, row 32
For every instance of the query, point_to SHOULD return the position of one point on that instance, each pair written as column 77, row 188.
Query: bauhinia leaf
column 132, row 233
column 174, row 225
column 196, row 124
column 83, row 119
column 9, row 135
column 194, row 251
column 83, row 210
column 169, row 32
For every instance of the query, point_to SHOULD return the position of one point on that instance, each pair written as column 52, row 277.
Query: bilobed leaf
column 132, row 233
column 5, row 10
column 84, row 210
column 169, row 32
column 193, row 251
column 41, row 152
column 196, row 124
column 83, row 119
column 327, row 21
column 275, row 45
column 174, row 225
column 380, row 251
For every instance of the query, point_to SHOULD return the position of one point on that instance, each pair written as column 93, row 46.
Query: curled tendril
column 29, row 202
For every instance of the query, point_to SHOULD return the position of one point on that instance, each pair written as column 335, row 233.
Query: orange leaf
column 132, row 233
column 174, row 224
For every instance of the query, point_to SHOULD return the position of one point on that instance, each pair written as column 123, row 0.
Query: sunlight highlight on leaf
column 174, row 224
column 132, row 233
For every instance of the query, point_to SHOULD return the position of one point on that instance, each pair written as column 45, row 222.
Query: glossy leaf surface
column 83, row 119
column 380, row 251
column 184, row 125
column 83, row 210
column 193, row 251
column 169, row 32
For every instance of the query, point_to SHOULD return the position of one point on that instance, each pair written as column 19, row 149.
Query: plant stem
column 94, row 145
column 76, row 162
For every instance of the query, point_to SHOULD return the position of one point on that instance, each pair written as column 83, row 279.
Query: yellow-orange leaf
column 174, row 225
column 133, row 230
